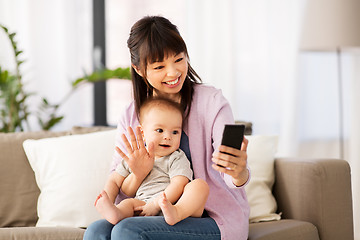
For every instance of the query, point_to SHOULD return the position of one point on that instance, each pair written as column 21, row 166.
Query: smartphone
column 233, row 135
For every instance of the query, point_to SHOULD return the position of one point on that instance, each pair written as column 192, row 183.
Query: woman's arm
column 235, row 171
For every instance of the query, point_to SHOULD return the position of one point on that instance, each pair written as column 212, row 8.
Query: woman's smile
column 173, row 83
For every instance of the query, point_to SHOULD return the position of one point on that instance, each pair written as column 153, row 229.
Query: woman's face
column 167, row 77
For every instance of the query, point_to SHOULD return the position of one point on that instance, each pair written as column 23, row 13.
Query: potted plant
column 14, row 110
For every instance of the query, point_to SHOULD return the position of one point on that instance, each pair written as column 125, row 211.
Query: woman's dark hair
column 151, row 38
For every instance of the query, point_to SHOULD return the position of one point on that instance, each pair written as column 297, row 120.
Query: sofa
column 313, row 197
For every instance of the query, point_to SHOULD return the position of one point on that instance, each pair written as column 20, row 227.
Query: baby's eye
column 159, row 130
column 175, row 132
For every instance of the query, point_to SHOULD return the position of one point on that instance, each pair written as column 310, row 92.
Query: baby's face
column 163, row 128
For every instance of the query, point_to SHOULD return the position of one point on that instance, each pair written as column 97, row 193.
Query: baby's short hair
column 160, row 102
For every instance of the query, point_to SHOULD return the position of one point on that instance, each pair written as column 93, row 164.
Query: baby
column 166, row 188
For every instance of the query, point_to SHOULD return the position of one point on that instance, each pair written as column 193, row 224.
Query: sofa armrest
column 316, row 191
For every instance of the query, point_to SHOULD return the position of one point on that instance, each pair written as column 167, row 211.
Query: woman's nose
column 172, row 71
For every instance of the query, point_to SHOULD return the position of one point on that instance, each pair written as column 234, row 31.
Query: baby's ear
column 137, row 70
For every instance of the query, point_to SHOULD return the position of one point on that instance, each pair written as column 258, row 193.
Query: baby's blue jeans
column 153, row 228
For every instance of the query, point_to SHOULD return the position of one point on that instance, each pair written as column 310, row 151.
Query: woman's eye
column 159, row 130
column 179, row 60
column 159, row 67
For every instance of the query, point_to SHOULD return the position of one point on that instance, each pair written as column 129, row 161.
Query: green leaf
column 12, row 35
column 20, row 62
column 5, row 29
column 17, row 53
column 77, row 82
column 45, row 101
column 51, row 123
column 4, row 75
column 104, row 74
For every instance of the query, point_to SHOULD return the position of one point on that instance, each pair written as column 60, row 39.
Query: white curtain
column 249, row 50
column 56, row 37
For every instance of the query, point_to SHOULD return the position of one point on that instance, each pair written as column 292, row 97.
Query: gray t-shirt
column 159, row 177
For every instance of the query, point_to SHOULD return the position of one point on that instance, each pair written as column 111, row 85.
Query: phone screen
column 233, row 135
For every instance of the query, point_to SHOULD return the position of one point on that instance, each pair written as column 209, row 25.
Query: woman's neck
column 175, row 97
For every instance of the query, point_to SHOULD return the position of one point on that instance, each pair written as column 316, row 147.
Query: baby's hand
column 139, row 159
column 149, row 209
column 97, row 199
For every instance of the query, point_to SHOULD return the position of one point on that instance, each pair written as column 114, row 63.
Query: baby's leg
column 113, row 214
column 190, row 204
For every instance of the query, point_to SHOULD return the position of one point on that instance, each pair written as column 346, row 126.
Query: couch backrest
column 18, row 188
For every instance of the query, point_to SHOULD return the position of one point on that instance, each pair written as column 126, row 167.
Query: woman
column 160, row 67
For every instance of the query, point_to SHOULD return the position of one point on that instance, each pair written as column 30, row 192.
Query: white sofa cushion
column 70, row 172
column 261, row 155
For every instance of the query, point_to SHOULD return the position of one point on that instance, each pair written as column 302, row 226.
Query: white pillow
column 70, row 172
column 261, row 151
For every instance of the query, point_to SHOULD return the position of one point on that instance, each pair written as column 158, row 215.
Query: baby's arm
column 113, row 185
column 139, row 159
column 176, row 188
column 131, row 184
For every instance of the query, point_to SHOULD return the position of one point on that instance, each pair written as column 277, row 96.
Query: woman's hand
column 233, row 162
column 139, row 159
